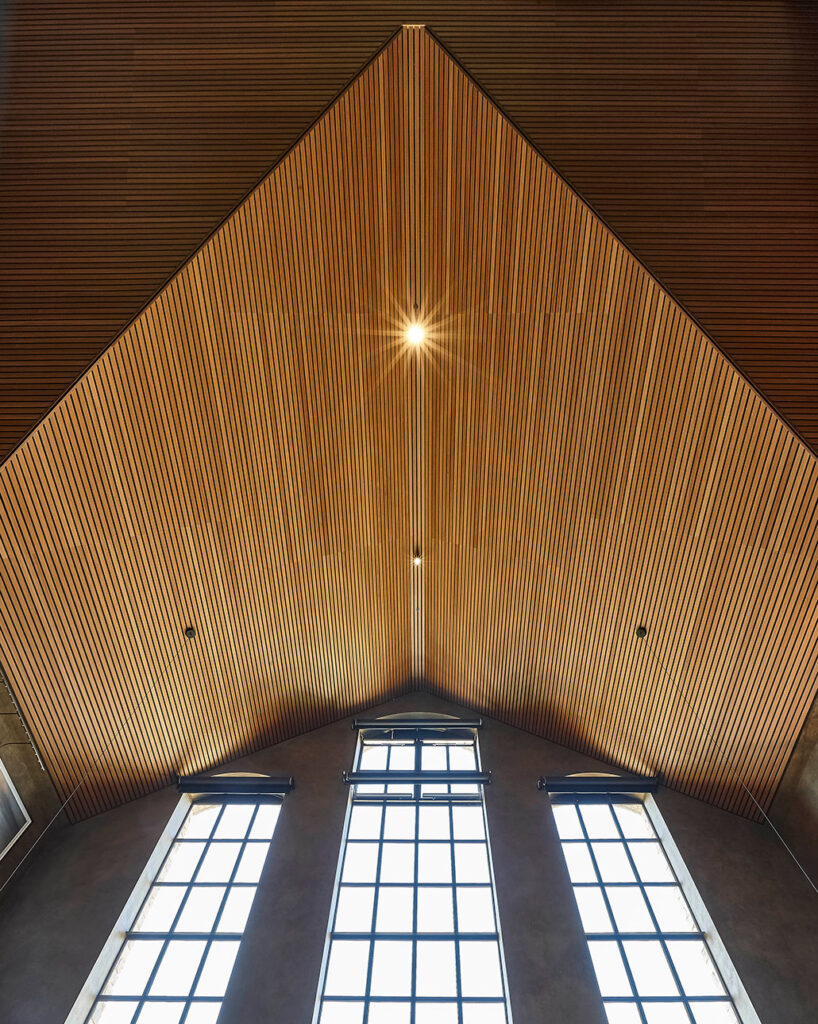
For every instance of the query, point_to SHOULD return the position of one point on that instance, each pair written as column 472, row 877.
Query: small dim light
column 415, row 334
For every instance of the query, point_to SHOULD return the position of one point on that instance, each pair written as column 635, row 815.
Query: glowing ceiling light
column 415, row 334
column 416, row 560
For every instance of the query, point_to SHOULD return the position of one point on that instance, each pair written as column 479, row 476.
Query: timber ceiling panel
column 260, row 453
column 130, row 128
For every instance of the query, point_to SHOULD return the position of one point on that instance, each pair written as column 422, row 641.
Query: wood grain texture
column 130, row 128
column 260, row 454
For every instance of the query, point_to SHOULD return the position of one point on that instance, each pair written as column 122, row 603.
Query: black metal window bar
column 650, row 957
column 175, row 961
column 414, row 934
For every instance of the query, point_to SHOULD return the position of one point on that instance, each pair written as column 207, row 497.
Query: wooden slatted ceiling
column 130, row 129
column 259, row 454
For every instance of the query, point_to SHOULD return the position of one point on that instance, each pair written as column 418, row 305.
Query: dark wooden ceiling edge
column 201, row 245
column 632, row 252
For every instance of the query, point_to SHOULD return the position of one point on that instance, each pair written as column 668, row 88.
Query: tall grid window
column 175, row 961
column 414, row 934
column 649, row 954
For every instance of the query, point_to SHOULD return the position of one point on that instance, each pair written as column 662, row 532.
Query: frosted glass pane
column 634, row 821
column 133, row 968
column 433, row 759
column 433, row 823
column 392, row 969
column 578, row 859
column 435, row 910
column 252, row 862
column 714, row 1013
column 342, row 1013
column 484, row 1013
column 398, row 862
column 390, row 1013
column 203, row 1013
column 622, row 1013
column 347, row 967
column 475, row 910
column 567, row 821
column 236, row 909
column 201, row 907
column 468, row 822
column 217, row 969
column 354, row 910
column 160, row 1013
column 650, row 969
column 218, row 862
column 365, row 822
column 609, row 969
column 592, row 910
column 181, row 862
column 665, row 1013
column 113, row 1013
column 235, row 821
column 373, row 758
column 434, row 862
column 402, row 759
column 399, row 823
column 695, row 968
column 629, row 909
column 395, row 910
column 462, row 758
column 671, row 909
column 265, row 821
column 436, row 974
column 436, row 1013
column 599, row 822
column 177, row 968
column 471, row 863
column 651, row 862
column 160, row 908
column 360, row 862
column 612, row 861
column 199, row 821
column 480, row 973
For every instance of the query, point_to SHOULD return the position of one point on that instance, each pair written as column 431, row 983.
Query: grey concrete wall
column 56, row 918
column 795, row 808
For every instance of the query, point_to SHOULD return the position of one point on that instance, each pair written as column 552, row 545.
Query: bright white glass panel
column 265, row 823
column 475, row 910
column 113, row 1013
column 181, row 862
column 471, row 863
column 484, row 1013
column 436, row 1013
column 622, row 1013
column 399, row 823
column 567, row 819
column 342, row 1013
column 397, row 862
column 389, row 1013
column 402, row 759
column 480, row 973
column 695, row 968
column 579, row 863
column 360, row 862
column 177, row 968
column 634, row 822
column 433, row 823
column 203, row 1013
column 666, row 1013
column 433, row 759
column 651, row 862
column 236, row 909
column 462, row 758
column 392, row 969
column 612, row 862
column 347, row 967
column 353, row 912
column 160, row 908
column 434, row 862
column 671, row 909
column 435, row 910
column 365, row 822
column 199, row 821
column 714, row 1013
column 650, row 969
column 609, row 969
column 234, row 822
column 373, row 757
column 217, row 969
column 629, row 909
column 218, row 862
column 468, row 822
column 252, row 862
column 200, row 909
column 436, row 974
column 599, row 821
column 592, row 910
column 133, row 968
column 395, row 910
column 160, row 1013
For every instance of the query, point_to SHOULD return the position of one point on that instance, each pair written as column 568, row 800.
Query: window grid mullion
column 455, row 921
column 371, row 958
